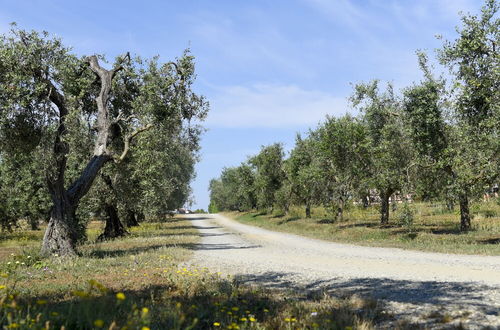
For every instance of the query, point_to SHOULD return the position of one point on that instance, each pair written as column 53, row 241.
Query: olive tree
column 343, row 148
column 473, row 61
column 269, row 174
column 303, row 174
column 389, row 144
column 44, row 86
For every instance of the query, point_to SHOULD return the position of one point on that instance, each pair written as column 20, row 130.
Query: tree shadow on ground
column 196, row 219
column 360, row 224
column 389, row 290
column 434, row 231
column 495, row 240
column 112, row 253
column 326, row 221
column 192, row 227
column 180, row 234
column 200, row 307
column 282, row 222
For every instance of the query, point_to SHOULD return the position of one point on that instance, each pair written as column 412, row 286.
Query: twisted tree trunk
column 62, row 234
column 114, row 227
column 131, row 219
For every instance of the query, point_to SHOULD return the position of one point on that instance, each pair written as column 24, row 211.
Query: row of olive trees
column 79, row 136
column 434, row 139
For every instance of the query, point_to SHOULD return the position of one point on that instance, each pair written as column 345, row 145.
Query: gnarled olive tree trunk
column 131, row 219
column 61, row 234
column 114, row 227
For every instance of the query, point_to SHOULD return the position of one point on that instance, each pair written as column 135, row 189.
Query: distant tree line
column 80, row 138
column 438, row 138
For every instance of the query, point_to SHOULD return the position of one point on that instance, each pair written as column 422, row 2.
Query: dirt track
column 411, row 284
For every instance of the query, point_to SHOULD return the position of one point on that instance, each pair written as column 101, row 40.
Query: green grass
column 434, row 228
column 139, row 282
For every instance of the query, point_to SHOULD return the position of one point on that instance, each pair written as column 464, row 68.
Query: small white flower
column 17, row 262
column 314, row 313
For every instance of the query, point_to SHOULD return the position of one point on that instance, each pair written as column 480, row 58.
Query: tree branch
column 129, row 139
column 120, row 118
column 119, row 67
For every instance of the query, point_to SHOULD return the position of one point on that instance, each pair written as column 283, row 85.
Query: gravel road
column 410, row 284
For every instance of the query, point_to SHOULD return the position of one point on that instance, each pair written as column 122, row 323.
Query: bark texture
column 384, row 207
column 464, row 212
column 61, row 234
column 308, row 210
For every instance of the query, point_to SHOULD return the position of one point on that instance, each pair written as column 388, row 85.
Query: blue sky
column 269, row 68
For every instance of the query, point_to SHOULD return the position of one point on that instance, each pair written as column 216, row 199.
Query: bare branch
column 175, row 66
column 129, row 139
column 119, row 67
column 120, row 118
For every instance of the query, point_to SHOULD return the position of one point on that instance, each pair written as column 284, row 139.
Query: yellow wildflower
column 216, row 324
column 99, row 323
column 145, row 311
column 243, row 319
column 235, row 309
column 2, row 287
column 252, row 319
column 78, row 293
column 120, row 296
column 13, row 326
column 145, row 328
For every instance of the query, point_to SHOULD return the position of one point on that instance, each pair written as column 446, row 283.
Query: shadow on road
column 197, row 218
column 101, row 254
column 400, row 291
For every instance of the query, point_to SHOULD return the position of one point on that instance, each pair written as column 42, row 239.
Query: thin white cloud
column 264, row 105
column 340, row 11
column 262, row 45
